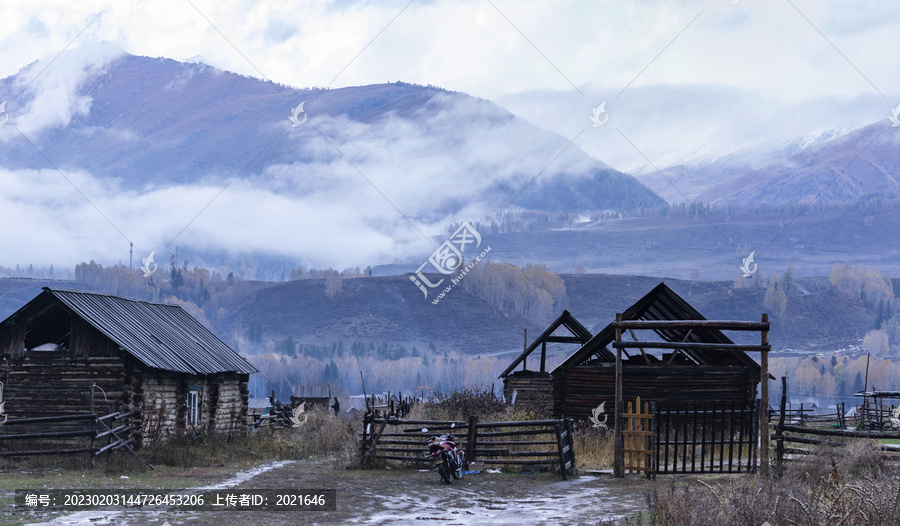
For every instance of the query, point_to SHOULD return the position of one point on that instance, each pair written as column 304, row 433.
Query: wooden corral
column 534, row 388
column 586, row 379
column 151, row 360
column 314, row 395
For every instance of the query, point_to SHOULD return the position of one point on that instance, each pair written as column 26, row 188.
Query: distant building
column 150, row 359
column 587, row 377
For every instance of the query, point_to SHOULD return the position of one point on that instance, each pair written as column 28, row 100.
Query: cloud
column 49, row 89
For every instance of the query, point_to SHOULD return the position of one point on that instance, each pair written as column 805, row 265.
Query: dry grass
column 593, row 446
column 849, row 486
column 323, row 435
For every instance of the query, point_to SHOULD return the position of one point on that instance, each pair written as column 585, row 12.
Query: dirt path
column 382, row 497
column 101, row 517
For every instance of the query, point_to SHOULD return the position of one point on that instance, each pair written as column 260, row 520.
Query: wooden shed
column 534, row 388
column 150, row 359
column 587, row 377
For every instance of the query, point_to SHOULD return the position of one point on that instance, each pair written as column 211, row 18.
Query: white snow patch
column 102, row 517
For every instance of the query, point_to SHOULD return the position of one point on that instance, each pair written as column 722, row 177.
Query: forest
column 534, row 293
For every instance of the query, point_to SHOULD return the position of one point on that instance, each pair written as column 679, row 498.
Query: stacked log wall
column 45, row 385
column 580, row 389
column 230, row 411
column 160, row 406
column 533, row 390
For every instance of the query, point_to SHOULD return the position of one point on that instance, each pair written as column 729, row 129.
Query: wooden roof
column 159, row 335
column 662, row 303
column 579, row 335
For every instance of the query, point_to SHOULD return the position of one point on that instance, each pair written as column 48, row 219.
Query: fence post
column 653, row 441
column 779, row 430
column 562, row 449
column 618, row 445
column 764, row 400
column 93, row 425
column 471, row 439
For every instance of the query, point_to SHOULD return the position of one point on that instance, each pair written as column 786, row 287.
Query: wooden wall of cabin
column 534, row 391
column 56, row 383
column 582, row 388
column 159, row 400
column 12, row 340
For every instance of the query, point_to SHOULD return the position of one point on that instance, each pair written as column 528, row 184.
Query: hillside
column 155, row 122
column 837, row 166
column 391, row 310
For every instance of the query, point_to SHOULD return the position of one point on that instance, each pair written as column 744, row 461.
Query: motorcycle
column 450, row 459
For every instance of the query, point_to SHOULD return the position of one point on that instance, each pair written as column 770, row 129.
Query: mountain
column 154, row 122
column 391, row 310
column 836, row 165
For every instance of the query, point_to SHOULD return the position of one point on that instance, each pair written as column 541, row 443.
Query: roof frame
column 579, row 332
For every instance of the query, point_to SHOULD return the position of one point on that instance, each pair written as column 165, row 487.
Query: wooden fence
column 798, row 434
column 638, row 433
column 526, row 443
column 805, row 415
column 688, row 326
column 706, row 436
column 113, row 427
column 70, row 434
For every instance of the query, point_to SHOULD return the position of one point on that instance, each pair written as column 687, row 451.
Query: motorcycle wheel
column 444, row 471
column 460, row 470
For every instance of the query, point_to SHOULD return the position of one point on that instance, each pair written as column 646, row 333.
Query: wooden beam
column 764, row 398
column 723, row 325
column 618, row 444
column 543, row 355
column 692, row 346
column 564, row 339
column 634, row 337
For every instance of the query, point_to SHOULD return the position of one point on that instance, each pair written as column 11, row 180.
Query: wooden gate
column 638, row 435
column 706, row 436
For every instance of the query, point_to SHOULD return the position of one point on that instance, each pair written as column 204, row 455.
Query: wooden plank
column 561, row 452
column 62, row 418
column 45, row 452
column 472, row 439
column 119, row 429
column 722, row 325
column 114, row 445
column 373, row 443
column 691, row 346
column 764, row 399
column 618, row 445
column 49, row 434
column 517, row 433
column 519, row 462
column 840, row 432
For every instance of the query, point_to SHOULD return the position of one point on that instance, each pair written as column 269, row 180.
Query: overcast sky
column 754, row 67
column 682, row 80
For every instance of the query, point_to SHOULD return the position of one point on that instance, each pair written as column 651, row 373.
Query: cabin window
column 194, row 406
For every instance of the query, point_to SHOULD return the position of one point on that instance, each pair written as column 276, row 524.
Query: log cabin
column 586, row 378
column 533, row 389
column 150, row 359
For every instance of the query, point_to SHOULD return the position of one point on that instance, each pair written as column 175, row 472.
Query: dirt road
column 406, row 497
